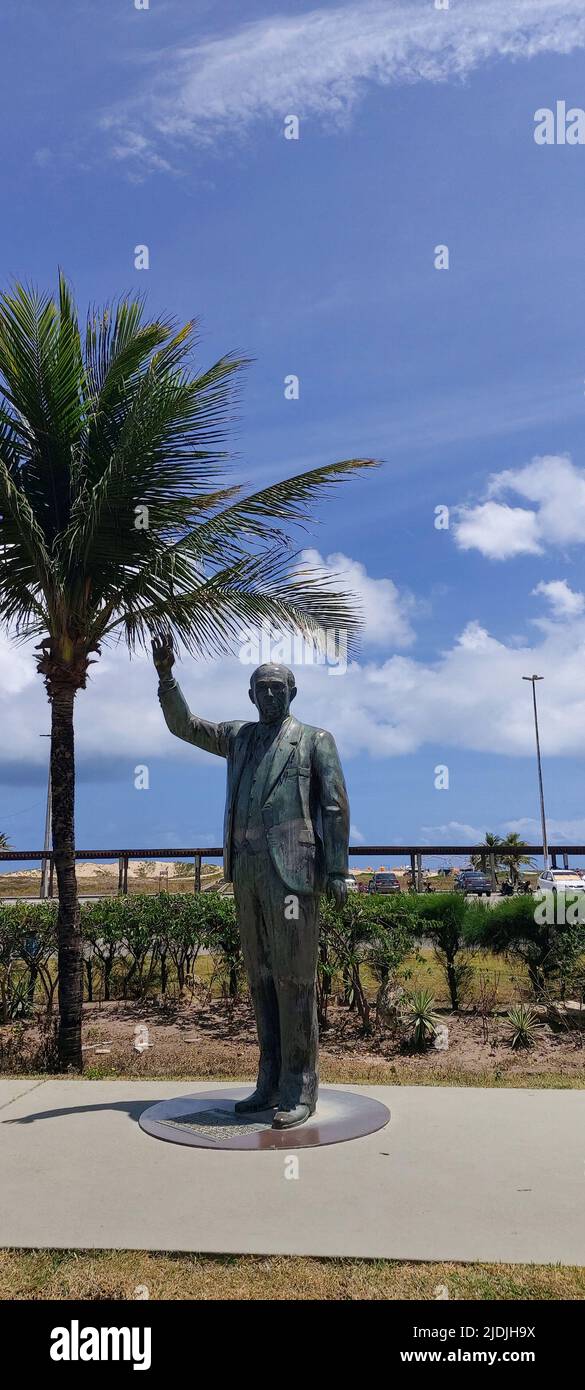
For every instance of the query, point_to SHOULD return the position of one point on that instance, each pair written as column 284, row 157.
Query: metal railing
column 415, row 853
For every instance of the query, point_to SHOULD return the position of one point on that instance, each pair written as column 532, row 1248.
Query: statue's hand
column 163, row 654
column 337, row 889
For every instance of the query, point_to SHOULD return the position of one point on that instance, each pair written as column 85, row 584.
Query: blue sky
column 316, row 257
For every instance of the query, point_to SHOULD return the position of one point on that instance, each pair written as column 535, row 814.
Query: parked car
column 351, row 883
column 473, row 881
column 384, row 883
column 561, row 881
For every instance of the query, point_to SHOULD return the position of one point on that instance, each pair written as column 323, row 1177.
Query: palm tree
column 513, row 862
column 506, row 854
column 492, row 846
column 4, row 841
column 116, row 521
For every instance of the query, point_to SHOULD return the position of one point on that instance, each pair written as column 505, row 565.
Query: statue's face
column 271, row 694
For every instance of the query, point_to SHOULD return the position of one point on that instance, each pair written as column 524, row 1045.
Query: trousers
column 279, row 932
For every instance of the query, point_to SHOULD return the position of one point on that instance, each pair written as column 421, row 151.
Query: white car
column 351, row 883
column 568, row 881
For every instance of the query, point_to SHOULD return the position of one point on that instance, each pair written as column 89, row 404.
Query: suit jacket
column 305, row 810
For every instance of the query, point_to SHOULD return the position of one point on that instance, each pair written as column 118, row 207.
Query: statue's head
column 271, row 690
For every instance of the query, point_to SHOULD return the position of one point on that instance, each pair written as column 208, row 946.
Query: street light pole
column 533, row 680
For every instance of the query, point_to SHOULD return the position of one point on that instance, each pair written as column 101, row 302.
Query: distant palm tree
column 115, row 521
column 4, row 841
column 492, row 846
column 504, row 856
column 514, row 862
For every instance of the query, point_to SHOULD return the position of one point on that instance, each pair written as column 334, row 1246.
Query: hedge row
column 143, row 944
column 138, row 946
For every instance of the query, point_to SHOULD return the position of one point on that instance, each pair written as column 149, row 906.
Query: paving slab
column 13, row 1087
column 458, row 1174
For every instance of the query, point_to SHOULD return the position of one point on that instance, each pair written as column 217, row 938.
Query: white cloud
column 565, row 602
column 553, row 484
column 527, row 827
column 118, row 715
column 16, row 667
column 498, row 531
column 136, row 149
column 557, row 488
column 320, row 63
column 453, row 833
column 569, row 832
column 474, row 638
column 386, row 611
column 471, row 698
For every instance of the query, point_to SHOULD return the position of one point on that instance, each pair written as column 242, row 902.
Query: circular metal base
column 207, row 1120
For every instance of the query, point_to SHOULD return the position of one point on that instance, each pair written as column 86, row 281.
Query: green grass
column 370, row 1073
column 119, row 1274
column 511, row 976
column 420, row 970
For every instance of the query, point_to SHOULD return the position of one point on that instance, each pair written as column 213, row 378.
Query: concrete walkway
column 458, row 1174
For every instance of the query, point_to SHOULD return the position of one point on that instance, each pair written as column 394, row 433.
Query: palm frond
column 97, row 429
column 220, row 611
column 251, row 516
column 26, row 560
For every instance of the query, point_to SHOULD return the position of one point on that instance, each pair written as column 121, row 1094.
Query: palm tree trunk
column 68, row 920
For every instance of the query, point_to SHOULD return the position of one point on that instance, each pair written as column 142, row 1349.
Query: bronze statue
column 286, row 835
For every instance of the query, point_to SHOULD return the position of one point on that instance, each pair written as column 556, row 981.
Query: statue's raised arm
column 212, row 738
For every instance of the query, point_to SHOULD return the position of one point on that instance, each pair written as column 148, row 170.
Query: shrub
column 486, row 992
column 101, row 929
column 143, row 930
column 183, row 868
column 550, row 951
column 129, row 941
column 224, row 942
column 28, row 942
column 375, row 933
column 442, row 920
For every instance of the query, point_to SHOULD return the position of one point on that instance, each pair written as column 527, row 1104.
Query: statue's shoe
column 285, row 1119
column 259, row 1100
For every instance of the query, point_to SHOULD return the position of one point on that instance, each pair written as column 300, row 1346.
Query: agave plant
column 422, row 1018
column 116, row 520
column 523, row 1025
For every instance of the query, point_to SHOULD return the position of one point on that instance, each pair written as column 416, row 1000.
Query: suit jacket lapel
column 240, row 755
column 283, row 746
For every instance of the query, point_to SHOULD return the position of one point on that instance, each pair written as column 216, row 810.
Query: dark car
column 473, row 881
column 384, row 883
